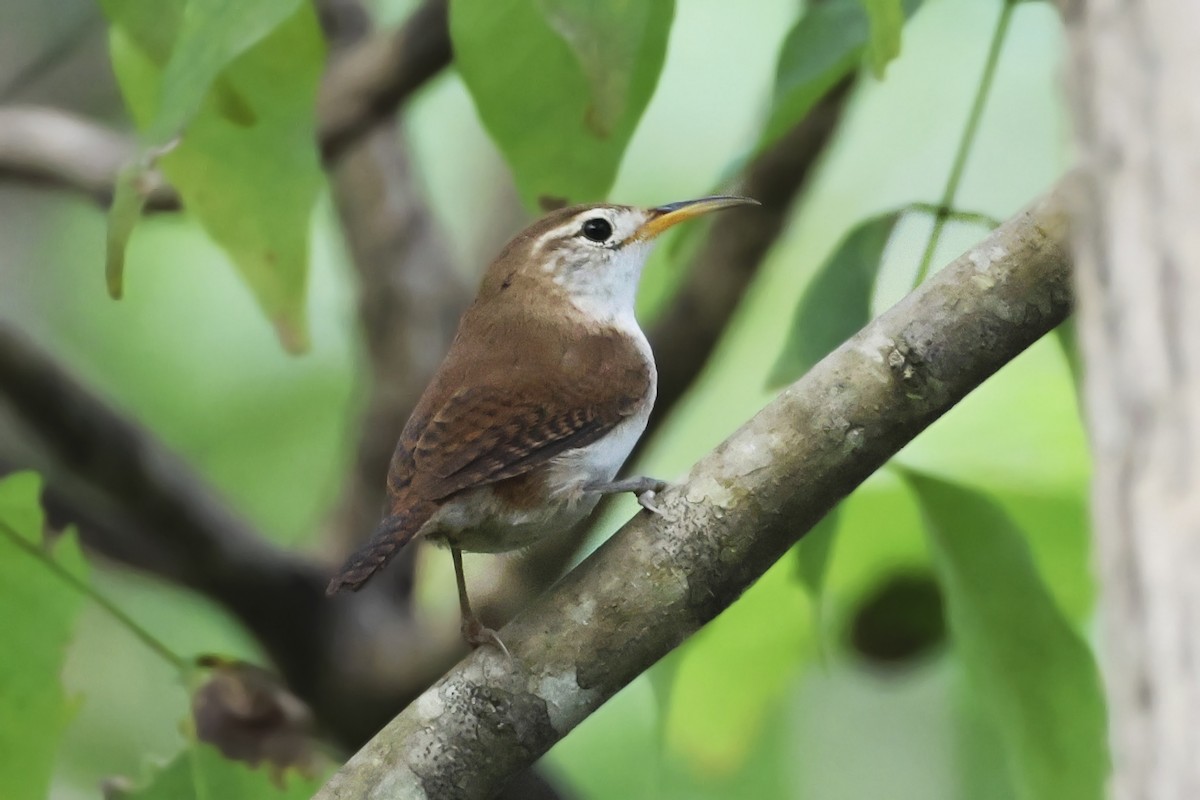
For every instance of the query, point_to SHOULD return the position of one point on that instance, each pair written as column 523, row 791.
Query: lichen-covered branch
column 660, row 578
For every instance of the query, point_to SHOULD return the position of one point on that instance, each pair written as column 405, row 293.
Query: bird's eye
column 597, row 229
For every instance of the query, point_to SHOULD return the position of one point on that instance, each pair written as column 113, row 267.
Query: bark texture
column 660, row 578
column 1134, row 85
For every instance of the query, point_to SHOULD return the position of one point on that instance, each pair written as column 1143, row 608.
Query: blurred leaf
column 735, row 672
column 886, row 21
column 1067, row 337
column 837, row 302
column 200, row 773
column 1029, row 668
column 560, row 86
column 813, row 552
column 123, row 216
column 823, row 47
column 37, row 614
column 247, row 165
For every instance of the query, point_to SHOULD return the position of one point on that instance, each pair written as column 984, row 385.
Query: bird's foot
column 476, row 634
column 644, row 487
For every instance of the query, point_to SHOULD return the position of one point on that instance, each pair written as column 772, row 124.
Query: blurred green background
column 767, row 701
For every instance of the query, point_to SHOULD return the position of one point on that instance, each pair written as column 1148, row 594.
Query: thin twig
column 968, row 138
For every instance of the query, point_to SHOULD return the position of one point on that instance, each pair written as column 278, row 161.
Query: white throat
column 608, row 295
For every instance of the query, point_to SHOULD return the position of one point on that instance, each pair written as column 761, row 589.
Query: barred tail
column 393, row 532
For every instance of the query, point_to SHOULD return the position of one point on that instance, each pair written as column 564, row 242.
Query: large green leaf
column 201, row 773
column 823, row 47
column 560, row 86
column 1029, row 669
column 735, row 672
column 837, row 302
column 883, row 45
column 240, row 88
column 37, row 614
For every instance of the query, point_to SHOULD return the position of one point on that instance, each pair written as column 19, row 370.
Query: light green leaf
column 823, row 47
column 202, row 773
column 246, row 165
column 813, row 552
column 37, row 615
column 560, row 86
column 1067, row 337
column 887, row 20
column 605, row 37
column 212, row 33
column 736, row 671
column 1029, row 669
column 837, row 302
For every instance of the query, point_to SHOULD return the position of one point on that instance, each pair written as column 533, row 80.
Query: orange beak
column 672, row 214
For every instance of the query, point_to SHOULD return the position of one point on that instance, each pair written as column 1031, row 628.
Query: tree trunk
column 1136, row 94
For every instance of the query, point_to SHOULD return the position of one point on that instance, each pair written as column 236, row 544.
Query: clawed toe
column 646, row 501
column 476, row 634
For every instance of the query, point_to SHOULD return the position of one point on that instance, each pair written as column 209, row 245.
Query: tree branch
column 354, row 661
column 186, row 533
column 660, row 578
column 409, row 295
column 368, row 83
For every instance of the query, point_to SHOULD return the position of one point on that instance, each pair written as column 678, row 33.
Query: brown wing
column 515, row 391
column 485, row 434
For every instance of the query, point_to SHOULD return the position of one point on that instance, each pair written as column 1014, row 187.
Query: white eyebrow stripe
column 566, row 229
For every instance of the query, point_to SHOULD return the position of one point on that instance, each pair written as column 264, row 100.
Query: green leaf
column 886, row 21
column 837, row 302
column 1030, row 670
column 813, row 552
column 246, row 165
column 202, row 773
column 37, row 615
column 824, row 46
column 560, row 86
column 735, row 672
column 212, row 33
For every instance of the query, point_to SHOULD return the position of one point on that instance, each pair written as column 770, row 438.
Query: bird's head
column 592, row 254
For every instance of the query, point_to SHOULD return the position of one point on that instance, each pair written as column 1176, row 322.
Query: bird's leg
column 474, row 632
column 644, row 487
